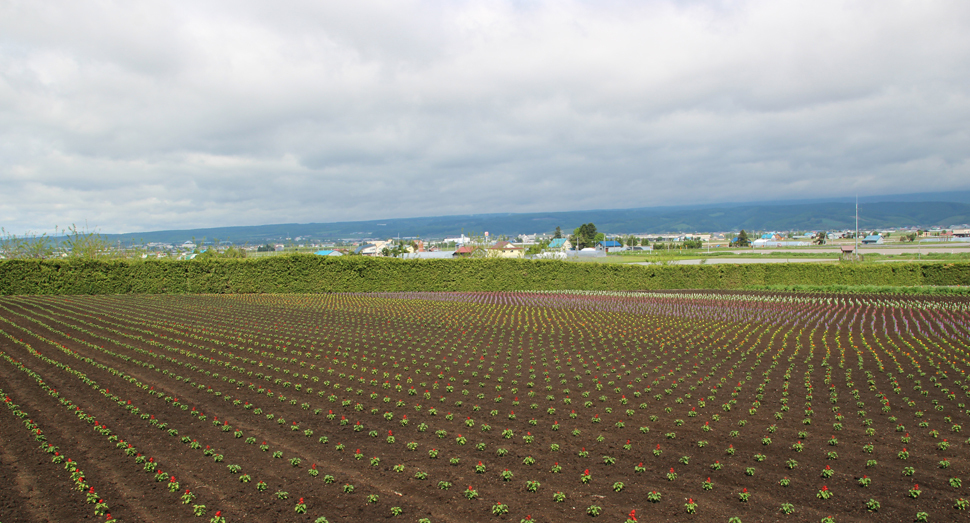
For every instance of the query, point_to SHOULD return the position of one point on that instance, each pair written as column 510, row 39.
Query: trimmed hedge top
column 316, row 274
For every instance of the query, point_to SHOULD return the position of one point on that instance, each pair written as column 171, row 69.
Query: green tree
column 82, row 243
column 536, row 248
column 820, row 237
column 26, row 246
column 584, row 236
column 558, row 233
column 742, row 240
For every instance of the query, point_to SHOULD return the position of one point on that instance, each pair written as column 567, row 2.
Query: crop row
column 723, row 400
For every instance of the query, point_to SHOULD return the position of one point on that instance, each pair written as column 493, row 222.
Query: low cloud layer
column 135, row 116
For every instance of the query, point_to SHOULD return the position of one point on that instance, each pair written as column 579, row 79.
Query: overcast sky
column 134, row 116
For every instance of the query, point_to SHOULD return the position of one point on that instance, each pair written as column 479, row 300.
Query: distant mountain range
column 925, row 209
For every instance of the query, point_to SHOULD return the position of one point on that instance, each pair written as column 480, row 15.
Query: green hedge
column 314, row 274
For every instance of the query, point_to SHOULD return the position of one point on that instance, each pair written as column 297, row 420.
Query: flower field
column 453, row 407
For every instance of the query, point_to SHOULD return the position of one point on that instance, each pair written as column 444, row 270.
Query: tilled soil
column 264, row 381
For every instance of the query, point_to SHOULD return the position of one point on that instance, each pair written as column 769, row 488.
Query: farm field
column 455, row 407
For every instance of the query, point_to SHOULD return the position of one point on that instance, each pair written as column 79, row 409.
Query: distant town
column 580, row 243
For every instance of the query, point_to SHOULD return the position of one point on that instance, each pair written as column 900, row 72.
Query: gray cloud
column 144, row 116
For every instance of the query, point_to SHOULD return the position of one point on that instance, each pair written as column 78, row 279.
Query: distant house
column 610, row 246
column 463, row 252
column 560, row 244
column 505, row 250
column 460, row 240
column 329, row 253
column 367, row 249
column 772, row 236
column 872, row 239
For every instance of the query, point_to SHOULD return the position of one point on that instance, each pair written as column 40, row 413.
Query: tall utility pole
column 857, row 225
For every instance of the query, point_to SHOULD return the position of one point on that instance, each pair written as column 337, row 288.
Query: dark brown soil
column 173, row 357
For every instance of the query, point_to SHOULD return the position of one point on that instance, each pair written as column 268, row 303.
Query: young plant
column 500, row 509
column 744, row 495
column 824, row 493
column 690, row 506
